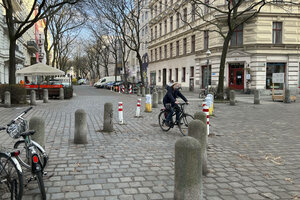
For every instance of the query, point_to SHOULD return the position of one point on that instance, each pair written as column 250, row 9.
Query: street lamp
column 207, row 70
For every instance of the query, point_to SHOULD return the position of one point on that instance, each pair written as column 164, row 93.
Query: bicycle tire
column 184, row 122
column 15, row 190
column 23, row 160
column 39, row 178
column 161, row 121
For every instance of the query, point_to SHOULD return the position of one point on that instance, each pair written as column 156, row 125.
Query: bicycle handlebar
column 23, row 113
column 2, row 128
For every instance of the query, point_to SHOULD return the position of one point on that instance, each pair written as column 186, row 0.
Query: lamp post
column 207, row 70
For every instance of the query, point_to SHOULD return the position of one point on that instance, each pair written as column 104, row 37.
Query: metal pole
column 206, row 77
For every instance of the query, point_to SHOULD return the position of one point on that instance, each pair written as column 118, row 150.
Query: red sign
column 42, row 86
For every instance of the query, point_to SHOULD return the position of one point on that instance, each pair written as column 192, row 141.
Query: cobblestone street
column 253, row 151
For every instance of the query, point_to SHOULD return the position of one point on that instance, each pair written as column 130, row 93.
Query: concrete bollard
column 143, row 92
column 45, row 96
column 138, row 92
column 32, row 98
column 287, row 96
column 108, row 118
column 38, row 124
column 232, row 97
column 155, row 100
column 197, row 130
column 160, row 97
column 7, row 99
column 201, row 116
column 61, row 94
column 80, row 135
column 256, row 97
column 188, row 169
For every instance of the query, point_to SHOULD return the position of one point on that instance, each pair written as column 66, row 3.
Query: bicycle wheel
column 162, row 119
column 184, row 122
column 39, row 178
column 23, row 157
column 11, row 178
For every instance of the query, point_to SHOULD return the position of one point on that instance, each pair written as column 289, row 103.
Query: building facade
column 268, row 43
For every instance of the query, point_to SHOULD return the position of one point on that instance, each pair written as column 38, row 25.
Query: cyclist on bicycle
column 172, row 93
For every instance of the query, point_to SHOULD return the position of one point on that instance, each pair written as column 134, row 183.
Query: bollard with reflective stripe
column 130, row 89
column 206, row 111
column 123, row 88
column 138, row 108
column 119, row 89
column 121, row 113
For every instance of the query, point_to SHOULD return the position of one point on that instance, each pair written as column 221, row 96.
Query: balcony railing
column 31, row 45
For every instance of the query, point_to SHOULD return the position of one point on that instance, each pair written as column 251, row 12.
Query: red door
column 236, row 77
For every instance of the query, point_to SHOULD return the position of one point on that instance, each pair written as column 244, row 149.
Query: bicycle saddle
column 24, row 134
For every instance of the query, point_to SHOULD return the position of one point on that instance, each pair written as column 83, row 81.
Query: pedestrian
column 170, row 98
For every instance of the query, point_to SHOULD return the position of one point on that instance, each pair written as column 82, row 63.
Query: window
column 160, row 7
column 165, row 51
column 237, row 36
column 155, row 34
column 151, row 55
column 151, row 13
column 146, row 30
column 206, row 39
column 151, row 34
column 142, row 32
column 146, row 15
column 160, row 29
column 193, row 44
column 185, row 15
column 155, row 54
column 177, row 20
column 155, row 10
column 177, row 48
column 171, row 50
column 166, row 26
column 159, row 75
column 274, row 68
column 183, row 75
column 171, row 23
column 192, row 72
column 205, row 7
column 166, row 4
column 277, row 32
column 170, row 75
column 160, row 53
column 184, row 46
column 193, row 12
column 176, row 75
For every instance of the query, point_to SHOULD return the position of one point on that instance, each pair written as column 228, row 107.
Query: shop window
column 274, row 68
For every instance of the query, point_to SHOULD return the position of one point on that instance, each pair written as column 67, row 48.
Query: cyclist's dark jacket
column 171, row 96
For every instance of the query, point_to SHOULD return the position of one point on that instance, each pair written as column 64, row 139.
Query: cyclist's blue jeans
column 173, row 109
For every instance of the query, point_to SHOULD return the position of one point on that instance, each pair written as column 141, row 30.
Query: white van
column 104, row 80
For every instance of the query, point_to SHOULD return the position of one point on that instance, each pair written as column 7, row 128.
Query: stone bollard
column 45, row 96
column 160, row 97
column 188, row 169
column 155, row 100
column 7, row 99
column 201, row 116
column 80, row 135
column 232, row 97
column 287, row 96
column 38, row 124
column 32, row 98
column 256, row 97
column 108, row 118
column 143, row 92
column 61, row 94
column 197, row 130
column 138, row 92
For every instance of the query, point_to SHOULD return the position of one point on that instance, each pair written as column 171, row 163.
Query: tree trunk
column 46, row 44
column 54, row 56
column 12, row 61
column 138, row 56
column 220, row 91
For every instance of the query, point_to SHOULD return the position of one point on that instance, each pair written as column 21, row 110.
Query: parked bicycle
column 182, row 124
column 32, row 155
column 11, row 176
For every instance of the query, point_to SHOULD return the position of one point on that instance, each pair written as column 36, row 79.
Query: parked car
column 81, row 81
column 109, row 84
column 104, row 80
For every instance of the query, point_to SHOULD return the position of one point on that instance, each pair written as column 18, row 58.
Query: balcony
column 32, row 46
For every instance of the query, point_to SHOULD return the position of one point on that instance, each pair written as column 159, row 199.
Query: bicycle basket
column 15, row 129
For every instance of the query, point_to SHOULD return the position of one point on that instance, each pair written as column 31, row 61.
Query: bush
column 17, row 93
column 74, row 81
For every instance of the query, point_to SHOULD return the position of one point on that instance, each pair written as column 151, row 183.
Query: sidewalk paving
column 254, row 153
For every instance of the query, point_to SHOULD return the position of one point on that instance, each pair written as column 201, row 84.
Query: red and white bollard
column 111, row 88
column 121, row 113
column 119, row 89
column 138, row 108
column 206, row 111
column 123, row 89
column 130, row 89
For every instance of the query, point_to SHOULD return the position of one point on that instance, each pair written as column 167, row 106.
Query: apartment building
column 269, row 43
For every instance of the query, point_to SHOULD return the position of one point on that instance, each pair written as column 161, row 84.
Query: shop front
column 236, row 76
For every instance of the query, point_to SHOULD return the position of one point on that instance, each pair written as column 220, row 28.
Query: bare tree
column 17, row 27
column 125, row 15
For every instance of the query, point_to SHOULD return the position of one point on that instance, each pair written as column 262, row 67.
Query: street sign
column 278, row 78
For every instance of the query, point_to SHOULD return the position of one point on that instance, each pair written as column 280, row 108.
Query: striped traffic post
column 130, row 89
column 206, row 111
column 138, row 108
column 123, row 89
column 121, row 113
